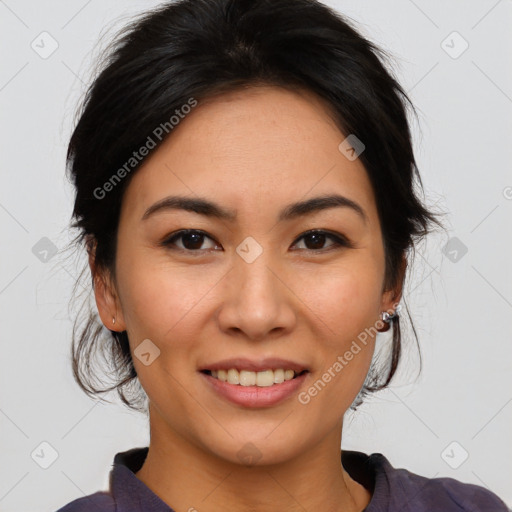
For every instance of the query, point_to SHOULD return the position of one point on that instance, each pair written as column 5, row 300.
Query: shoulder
column 99, row 502
column 419, row 493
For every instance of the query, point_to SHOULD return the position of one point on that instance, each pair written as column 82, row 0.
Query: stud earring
column 387, row 318
column 113, row 320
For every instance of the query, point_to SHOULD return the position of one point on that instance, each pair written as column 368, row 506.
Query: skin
column 253, row 151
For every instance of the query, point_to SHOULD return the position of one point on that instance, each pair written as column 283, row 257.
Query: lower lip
column 255, row 396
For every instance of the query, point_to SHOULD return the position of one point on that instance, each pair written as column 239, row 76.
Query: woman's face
column 254, row 284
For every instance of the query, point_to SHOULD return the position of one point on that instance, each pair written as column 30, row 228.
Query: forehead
column 265, row 145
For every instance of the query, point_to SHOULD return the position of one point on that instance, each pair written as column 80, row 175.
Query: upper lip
column 269, row 363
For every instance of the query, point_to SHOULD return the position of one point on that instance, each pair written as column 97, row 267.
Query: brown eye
column 315, row 240
column 191, row 240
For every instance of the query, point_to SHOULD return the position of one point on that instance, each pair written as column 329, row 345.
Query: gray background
column 460, row 405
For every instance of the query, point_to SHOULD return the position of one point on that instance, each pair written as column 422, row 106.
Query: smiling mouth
column 265, row 378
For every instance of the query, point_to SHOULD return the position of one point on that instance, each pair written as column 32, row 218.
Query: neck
column 188, row 477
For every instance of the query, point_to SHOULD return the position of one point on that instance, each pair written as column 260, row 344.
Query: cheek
column 346, row 299
column 163, row 304
column 158, row 298
column 346, row 303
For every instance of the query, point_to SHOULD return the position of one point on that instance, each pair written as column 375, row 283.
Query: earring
column 113, row 320
column 387, row 318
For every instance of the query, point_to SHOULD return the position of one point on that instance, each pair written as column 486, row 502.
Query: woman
column 221, row 143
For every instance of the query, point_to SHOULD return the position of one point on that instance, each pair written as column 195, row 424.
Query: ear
column 391, row 297
column 107, row 300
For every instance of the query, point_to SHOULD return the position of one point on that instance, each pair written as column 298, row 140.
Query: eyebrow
column 210, row 209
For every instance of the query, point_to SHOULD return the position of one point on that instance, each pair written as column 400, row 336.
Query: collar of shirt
column 392, row 489
column 132, row 495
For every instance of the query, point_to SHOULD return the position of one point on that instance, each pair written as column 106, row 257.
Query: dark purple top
column 393, row 490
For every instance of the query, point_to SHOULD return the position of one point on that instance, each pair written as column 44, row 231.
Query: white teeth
column 247, row 378
column 278, row 376
column 233, row 376
column 264, row 378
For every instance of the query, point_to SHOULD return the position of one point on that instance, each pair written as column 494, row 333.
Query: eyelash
column 339, row 240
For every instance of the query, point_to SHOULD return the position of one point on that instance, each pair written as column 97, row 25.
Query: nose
column 258, row 300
